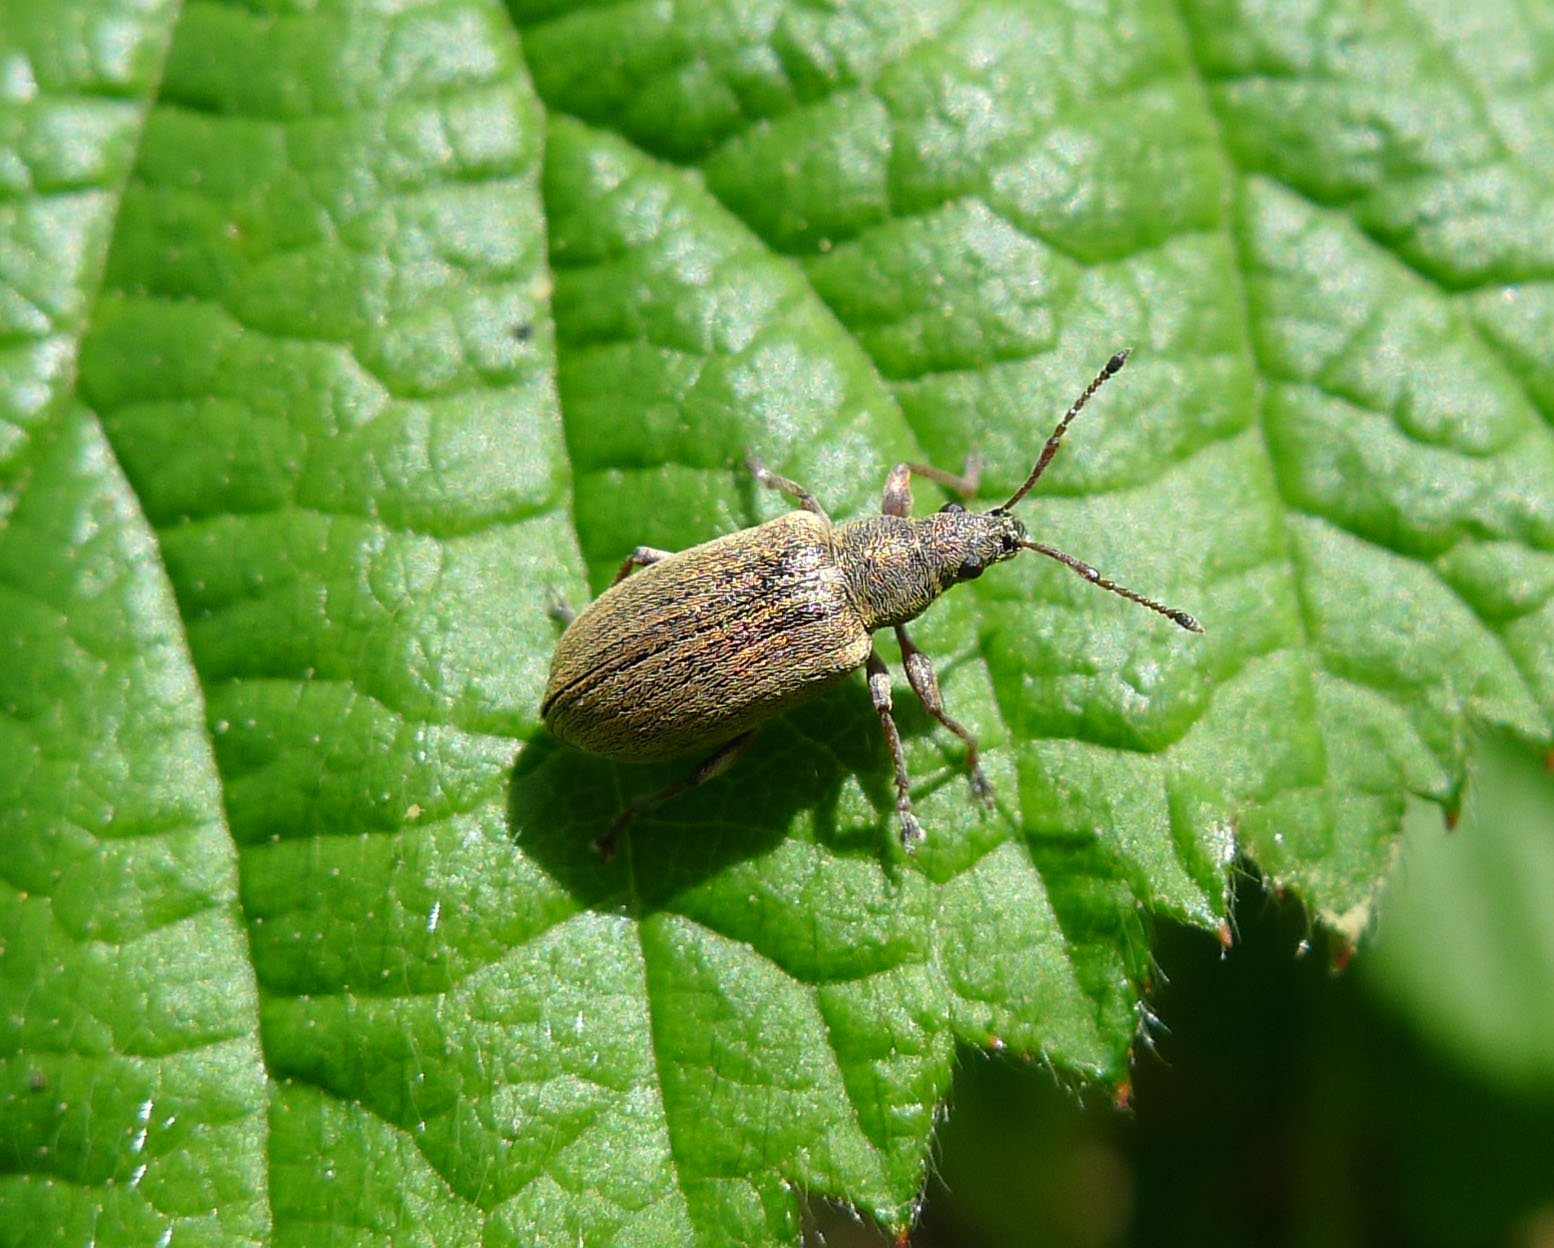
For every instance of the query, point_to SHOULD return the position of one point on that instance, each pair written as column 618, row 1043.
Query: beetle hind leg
column 642, row 557
column 716, row 765
column 925, row 683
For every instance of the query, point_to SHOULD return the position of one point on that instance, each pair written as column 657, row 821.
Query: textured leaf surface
column 340, row 340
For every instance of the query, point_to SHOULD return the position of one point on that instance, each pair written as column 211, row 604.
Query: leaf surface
column 342, row 340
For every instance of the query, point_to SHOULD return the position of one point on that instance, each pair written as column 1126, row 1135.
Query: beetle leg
column 879, row 691
column 898, row 486
column 705, row 771
column 898, row 491
column 925, row 683
column 792, row 489
column 639, row 558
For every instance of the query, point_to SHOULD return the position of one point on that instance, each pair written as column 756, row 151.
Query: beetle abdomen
column 693, row 650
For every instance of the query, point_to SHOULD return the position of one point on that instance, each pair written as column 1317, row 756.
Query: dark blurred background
column 1293, row 1095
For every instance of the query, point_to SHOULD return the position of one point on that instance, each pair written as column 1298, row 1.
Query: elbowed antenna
column 1113, row 367
column 1095, row 578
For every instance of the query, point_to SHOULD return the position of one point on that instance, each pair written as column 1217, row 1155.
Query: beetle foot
column 912, row 834
column 604, row 846
column 560, row 610
column 981, row 786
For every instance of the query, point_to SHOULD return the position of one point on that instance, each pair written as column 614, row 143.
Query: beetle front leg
column 639, row 558
column 714, row 766
column 879, row 691
column 925, row 683
column 898, row 486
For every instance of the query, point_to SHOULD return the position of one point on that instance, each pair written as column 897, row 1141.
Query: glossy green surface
column 337, row 340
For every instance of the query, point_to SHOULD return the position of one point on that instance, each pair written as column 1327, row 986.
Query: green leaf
column 1466, row 952
column 341, row 340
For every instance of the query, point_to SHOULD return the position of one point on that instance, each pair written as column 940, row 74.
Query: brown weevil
column 701, row 647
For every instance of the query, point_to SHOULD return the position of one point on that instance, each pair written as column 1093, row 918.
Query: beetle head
column 973, row 541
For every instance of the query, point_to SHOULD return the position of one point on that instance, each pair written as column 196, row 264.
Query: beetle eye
column 952, row 507
column 1010, row 545
column 970, row 568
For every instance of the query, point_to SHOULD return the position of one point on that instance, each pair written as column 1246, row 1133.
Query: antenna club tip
column 1114, row 365
column 1186, row 621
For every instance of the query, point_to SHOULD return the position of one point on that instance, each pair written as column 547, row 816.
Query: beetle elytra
column 700, row 647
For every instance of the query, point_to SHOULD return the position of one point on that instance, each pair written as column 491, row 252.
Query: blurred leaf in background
column 1407, row 1101
column 339, row 339
column 1466, row 941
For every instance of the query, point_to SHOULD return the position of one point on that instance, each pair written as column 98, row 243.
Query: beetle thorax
column 896, row 566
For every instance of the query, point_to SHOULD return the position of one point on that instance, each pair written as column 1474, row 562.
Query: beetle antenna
column 1113, row 367
column 1095, row 578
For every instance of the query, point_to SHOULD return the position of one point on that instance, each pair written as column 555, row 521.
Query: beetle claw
column 981, row 786
column 604, row 846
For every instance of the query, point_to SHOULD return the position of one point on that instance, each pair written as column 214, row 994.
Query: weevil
column 699, row 648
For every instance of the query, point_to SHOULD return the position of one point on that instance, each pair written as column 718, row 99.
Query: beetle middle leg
column 925, row 683
column 705, row 771
column 792, row 489
column 879, row 691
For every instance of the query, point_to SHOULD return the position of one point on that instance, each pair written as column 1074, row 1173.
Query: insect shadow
column 792, row 777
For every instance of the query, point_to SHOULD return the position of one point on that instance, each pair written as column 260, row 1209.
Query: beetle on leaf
column 702, row 646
